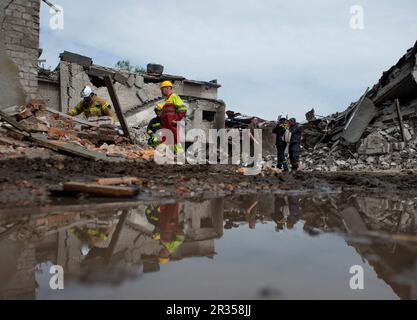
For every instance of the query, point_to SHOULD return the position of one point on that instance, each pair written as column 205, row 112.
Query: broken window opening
column 97, row 82
column 209, row 115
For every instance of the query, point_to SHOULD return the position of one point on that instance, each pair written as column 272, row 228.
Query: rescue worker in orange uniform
column 173, row 112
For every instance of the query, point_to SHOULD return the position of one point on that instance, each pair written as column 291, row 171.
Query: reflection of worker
column 294, row 216
column 250, row 213
column 153, row 214
column 287, row 212
column 154, row 125
column 171, row 232
column 92, row 105
column 280, row 214
column 173, row 112
column 91, row 237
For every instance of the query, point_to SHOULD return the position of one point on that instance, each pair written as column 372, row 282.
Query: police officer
column 295, row 144
column 281, row 144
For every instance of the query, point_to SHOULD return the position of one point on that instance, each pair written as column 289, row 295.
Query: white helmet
column 86, row 92
column 282, row 116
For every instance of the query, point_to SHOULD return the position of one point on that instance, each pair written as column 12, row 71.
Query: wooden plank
column 102, row 207
column 116, row 105
column 67, row 148
column 113, row 181
column 13, row 122
column 66, row 116
column 100, row 190
column 12, row 142
column 400, row 118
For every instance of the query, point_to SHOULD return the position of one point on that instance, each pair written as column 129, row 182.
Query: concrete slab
column 77, row 58
column 359, row 121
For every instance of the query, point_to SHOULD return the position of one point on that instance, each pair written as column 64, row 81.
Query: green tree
column 126, row 65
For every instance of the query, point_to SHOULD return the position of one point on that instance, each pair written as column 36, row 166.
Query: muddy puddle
column 294, row 246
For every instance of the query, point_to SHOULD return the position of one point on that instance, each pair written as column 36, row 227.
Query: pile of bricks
column 105, row 139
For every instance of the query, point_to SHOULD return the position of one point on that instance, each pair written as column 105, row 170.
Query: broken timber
column 400, row 118
column 116, row 105
column 14, row 123
column 66, row 116
column 100, row 190
column 113, row 181
column 67, row 148
column 12, row 142
column 60, row 146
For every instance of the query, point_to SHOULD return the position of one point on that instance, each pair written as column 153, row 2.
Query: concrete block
column 131, row 81
column 407, row 135
column 99, row 72
column 375, row 144
column 155, row 68
column 359, row 121
column 76, row 58
column 120, row 78
column 142, row 95
column 139, row 82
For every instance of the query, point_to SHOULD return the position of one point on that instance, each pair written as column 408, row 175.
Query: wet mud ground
column 27, row 182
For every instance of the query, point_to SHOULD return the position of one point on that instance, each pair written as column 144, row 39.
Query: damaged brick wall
column 19, row 51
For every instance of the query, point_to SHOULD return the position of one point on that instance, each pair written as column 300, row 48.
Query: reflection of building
column 204, row 224
column 108, row 246
column 334, row 213
column 83, row 243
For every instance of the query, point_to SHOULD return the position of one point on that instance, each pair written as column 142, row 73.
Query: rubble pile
column 376, row 133
column 21, row 128
column 235, row 120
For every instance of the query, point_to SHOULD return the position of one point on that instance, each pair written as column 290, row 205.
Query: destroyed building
column 138, row 93
column 376, row 133
column 127, row 241
column 19, row 51
column 22, row 79
column 35, row 100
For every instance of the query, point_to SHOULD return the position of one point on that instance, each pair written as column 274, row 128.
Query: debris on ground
column 376, row 133
column 27, row 128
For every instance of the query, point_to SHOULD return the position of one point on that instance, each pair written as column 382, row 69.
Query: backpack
column 287, row 136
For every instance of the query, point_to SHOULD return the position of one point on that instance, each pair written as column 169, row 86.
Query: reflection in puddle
column 241, row 247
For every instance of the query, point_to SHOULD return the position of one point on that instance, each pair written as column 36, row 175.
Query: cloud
column 270, row 56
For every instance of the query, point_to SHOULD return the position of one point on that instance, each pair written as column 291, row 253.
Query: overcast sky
column 270, row 56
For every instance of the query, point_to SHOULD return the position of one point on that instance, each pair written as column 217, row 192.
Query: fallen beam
column 400, row 118
column 12, row 142
column 13, row 122
column 67, row 148
column 66, row 116
column 100, row 190
column 117, row 107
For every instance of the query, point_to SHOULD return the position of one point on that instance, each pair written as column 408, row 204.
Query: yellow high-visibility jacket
column 97, row 107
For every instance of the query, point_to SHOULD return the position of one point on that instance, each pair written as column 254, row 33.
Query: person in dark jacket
column 295, row 144
column 154, row 126
column 281, row 145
